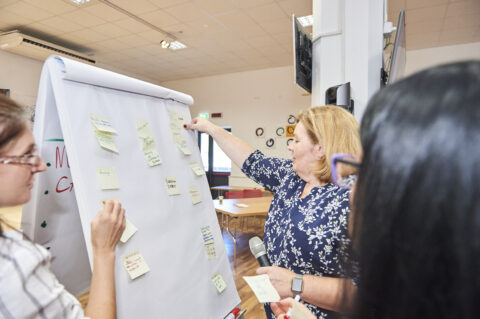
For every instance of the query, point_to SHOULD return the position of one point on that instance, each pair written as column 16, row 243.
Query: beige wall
column 261, row 98
column 421, row 59
column 21, row 75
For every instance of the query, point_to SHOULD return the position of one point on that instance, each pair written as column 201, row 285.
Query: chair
column 250, row 193
column 234, row 195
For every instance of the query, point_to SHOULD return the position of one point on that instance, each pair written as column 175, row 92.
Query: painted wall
column 248, row 100
column 21, row 75
column 424, row 58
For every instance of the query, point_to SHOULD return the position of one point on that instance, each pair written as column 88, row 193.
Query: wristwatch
column 297, row 285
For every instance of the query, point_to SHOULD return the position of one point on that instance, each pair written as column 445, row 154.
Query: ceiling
column 222, row 36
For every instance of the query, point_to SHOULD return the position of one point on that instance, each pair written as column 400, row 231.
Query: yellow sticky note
column 172, row 186
column 107, row 177
column 152, row 157
column 262, row 288
column 194, row 194
column 135, row 265
column 210, row 249
column 178, row 138
column 130, row 229
column 148, row 143
column 218, row 282
column 105, row 139
column 102, row 123
column 184, row 149
column 197, row 169
column 297, row 312
column 206, row 234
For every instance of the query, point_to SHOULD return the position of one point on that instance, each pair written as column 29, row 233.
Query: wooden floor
column 245, row 264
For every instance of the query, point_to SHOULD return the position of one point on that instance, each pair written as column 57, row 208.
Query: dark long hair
column 417, row 199
column 13, row 121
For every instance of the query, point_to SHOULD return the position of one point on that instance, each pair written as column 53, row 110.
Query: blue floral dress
column 306, row 235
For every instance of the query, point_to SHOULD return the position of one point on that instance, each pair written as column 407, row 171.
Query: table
column 257, row 206
column 226, row 188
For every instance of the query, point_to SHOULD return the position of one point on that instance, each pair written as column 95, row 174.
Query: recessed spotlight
column 175, row 45
column 80, row 2
column 165, row 44
column 306, row 21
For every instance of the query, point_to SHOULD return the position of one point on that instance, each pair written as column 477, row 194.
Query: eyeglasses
column 344, row 170
column 27, row 159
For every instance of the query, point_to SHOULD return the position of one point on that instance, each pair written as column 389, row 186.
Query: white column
column 348, row 47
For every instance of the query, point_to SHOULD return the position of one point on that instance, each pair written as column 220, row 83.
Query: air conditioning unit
column 22, row 44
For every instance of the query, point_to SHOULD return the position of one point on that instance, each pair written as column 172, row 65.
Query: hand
column 107, row 227
column 201, row 125
column 281, row 308
column 281, row 279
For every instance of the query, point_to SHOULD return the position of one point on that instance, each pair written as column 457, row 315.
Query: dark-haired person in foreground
column 28, row 289
column 416, row 206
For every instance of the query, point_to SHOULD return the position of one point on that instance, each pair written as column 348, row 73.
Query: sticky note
column 178, row 138
column 218, row 282
column 135, row 265
column 172, row 186
column 107, row 177
column 206, row 234
column 210, row 250
column 130, row 229
column 262, row 288
column 102, row 123
column 194, row 194
column 148, row 143
column 196, row 168
column 153, row 158
column 105, row 139
column 184, row 149
column 297, row 312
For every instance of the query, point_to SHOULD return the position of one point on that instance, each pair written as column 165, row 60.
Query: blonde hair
column 336, row 130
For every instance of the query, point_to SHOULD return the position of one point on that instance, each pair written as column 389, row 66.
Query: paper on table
column 130, row 229
column 194, row 194
column 102, row 123
column 135, row 265
column 263, row 288
column 196, row 168
column 172, row 186
column 241, row 205
column 107, row 177
column 218, row 282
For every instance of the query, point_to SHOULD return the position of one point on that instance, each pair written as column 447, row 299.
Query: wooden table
column 257, row 206
column 226, row 188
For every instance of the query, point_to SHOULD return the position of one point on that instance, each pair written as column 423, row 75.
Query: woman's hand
column 202, row 125
column 107, row 227
column 281, row 308
column 281, row 279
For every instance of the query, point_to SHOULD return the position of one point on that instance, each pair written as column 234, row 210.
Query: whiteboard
column 169, row 238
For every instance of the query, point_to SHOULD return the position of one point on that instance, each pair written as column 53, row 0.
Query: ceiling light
column 165, row 44
column 306, row 21
column 80, row 2
column 175, row 45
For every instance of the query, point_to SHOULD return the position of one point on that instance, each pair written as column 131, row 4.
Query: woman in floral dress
column 306, row 228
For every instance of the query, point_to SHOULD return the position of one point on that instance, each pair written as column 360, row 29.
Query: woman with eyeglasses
column 306, row 226
column 28, row 288
column 416, row 216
